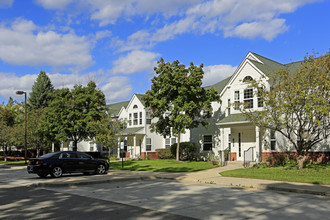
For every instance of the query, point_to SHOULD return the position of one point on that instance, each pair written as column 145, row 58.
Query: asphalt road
column 153, row 199
column 34, row 203
column 206, row 201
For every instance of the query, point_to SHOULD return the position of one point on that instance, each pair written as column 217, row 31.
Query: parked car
column 58, row 163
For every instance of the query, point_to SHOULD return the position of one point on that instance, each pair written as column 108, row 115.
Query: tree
column 177, row 99
column 41, row 92
column 35, row 136
column 9, row 120
column 106, row 130
column 71, row 114
column 296, row 104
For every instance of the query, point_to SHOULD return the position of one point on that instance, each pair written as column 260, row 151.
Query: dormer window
column 247, row 79
column 135, row 106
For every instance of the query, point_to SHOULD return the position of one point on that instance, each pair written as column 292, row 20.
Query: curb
column 93, row 182
column 302, row 191
column 81, row 183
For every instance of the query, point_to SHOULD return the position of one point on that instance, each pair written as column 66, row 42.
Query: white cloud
column 6, row 3
column 245, row 18
column 23, row 44
column 216, row 73
column 135, row 62
column 51, row 4
column 266, row 29
column 117, row 89
column 108, row 12
column 10, row 82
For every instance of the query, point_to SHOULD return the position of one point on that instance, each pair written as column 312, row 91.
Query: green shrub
column 291, row 163
column 276, row 159
column 164, row 153
column 187, row 151
column 260, row 165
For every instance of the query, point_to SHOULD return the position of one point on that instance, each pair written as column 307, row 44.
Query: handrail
column 246, row 163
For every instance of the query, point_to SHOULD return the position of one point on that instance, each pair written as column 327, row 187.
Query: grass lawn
column 162, row 165
column 316, row 175
column 14, row 162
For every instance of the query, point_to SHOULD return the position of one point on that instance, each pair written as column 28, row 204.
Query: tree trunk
column 38, row 152
column 109, row 153
column 75, row 143
column 178, row 148
column 301, row 160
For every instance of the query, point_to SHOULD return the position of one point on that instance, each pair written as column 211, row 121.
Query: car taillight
column 38, row 162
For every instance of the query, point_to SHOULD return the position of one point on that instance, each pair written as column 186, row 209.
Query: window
column 67, row 155
column 236, row 100
column 84, row 156
column 239, row 145
column 229, row 142
column 207, row 142
column 248, row 79
column 135, row 106
column 148, row 118
column 229, row 106
column 91, row 149
column 248, row 98
column 130, row 119
column 173, row 140
column 135, row 118
column 272, row 140
column 148, row 144
column 140, row 118
column 167, row 142
column 260, row 101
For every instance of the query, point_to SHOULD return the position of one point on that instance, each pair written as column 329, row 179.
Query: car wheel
column 101, row 169
column 57, row 172
column 42, row 175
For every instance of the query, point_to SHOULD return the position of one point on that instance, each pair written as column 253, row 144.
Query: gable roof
column 115, row 108
column 140, row 97
column 267, row 66
column 220, row 85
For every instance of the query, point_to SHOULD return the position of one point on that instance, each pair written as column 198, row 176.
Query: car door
column 68, row 161
column 86, row 162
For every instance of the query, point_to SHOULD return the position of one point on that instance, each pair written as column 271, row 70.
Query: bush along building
column 228, row 131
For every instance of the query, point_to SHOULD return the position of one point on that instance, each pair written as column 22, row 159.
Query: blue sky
column 118, row 42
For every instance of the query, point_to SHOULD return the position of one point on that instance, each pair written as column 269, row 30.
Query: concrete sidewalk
column 210, row 176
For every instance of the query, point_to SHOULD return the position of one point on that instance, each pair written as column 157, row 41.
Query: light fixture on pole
column 25, row 147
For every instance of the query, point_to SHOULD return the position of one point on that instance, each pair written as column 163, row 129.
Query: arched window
column 135, row 106
column 248, row 79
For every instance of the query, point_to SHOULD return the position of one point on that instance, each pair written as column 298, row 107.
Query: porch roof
column 130, row 131
column 233, row 119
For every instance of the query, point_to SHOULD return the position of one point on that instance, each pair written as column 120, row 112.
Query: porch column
column 257, row 150
column 118, row 148
column 134, row 143
column 222, row 144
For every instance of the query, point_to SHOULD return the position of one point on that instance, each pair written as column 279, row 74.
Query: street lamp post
column 25, row 128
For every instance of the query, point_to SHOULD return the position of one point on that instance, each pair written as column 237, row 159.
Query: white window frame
column 207, row 142
column 148, row 144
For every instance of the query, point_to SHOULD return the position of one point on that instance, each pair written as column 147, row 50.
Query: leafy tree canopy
column 177, row 98
column 41, row 92
column 71, row 114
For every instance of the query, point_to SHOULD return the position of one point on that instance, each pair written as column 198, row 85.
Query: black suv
column 58, row 163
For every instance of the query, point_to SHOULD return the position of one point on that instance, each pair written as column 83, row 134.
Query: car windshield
column 48, row 155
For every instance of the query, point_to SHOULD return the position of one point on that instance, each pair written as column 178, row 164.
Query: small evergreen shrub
column 187, row 151
column 276, row 159
column 164, row 153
